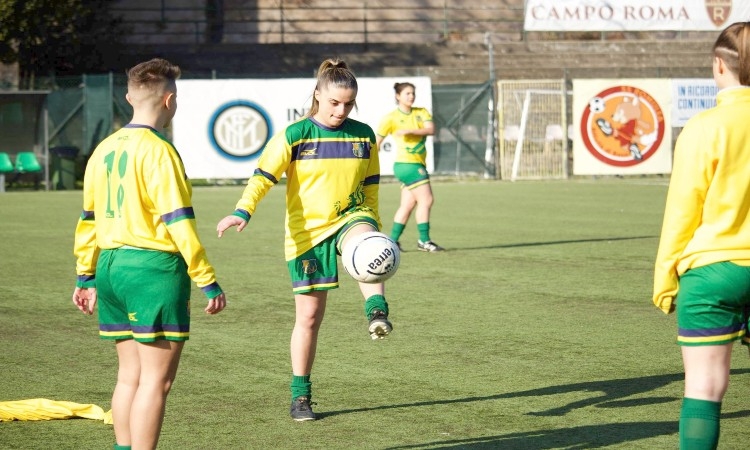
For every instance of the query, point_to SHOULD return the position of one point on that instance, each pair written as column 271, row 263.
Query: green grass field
column 535, row 331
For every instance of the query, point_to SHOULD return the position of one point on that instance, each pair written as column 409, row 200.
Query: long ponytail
column 332, row 72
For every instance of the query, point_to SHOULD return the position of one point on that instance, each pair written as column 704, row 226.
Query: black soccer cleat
column 301, row 409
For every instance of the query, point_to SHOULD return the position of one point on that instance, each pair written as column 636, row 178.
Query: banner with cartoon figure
column 622, row 127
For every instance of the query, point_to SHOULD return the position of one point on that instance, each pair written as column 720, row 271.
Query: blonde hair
column 332, row 72
column 733, row 47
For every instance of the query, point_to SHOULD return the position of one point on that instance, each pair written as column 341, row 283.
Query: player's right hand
column 230, row 221
column 85, row 299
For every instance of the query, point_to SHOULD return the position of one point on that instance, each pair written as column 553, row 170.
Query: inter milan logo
column 718, row 11
column 622, row 126
column 239, row 130
column 309, row 266
column 358, row 149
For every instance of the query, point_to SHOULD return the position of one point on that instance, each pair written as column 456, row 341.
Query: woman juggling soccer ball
column 410, row 125
column 332, row 179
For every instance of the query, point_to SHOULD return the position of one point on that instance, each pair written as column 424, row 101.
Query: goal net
column 533, row 130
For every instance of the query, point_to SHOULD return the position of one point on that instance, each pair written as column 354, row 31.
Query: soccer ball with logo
column 371, row 257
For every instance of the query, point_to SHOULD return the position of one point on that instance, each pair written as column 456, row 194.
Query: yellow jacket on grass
column 709, row 195
column 45, row 409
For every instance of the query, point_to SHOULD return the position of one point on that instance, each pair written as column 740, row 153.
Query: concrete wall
column 444, row 39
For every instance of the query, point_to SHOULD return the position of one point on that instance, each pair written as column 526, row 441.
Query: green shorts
column 317, row 268
column 142, row 295
column 713, row 305
column 411, row 175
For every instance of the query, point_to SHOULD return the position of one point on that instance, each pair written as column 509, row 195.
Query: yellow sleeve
column 372, row 183
column 386, row 127
column 691, row 176
column 272, row 164
column 170, row 192
column 85, row 248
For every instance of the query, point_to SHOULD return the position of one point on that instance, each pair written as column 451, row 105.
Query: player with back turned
column 703, row 263
column 137, row 248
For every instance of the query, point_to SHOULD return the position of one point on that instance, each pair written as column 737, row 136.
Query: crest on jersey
column 309, row 266
column 718, row 11
column 239, row 130
column 358, row 149
column 622, row 126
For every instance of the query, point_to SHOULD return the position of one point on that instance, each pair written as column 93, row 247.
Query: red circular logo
column 622, row 126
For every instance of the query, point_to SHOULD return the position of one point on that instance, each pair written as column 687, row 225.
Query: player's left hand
column 85, row 299
column 216, row 304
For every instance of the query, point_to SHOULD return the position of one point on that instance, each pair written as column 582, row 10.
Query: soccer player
column 703, row 263
column 333, row 174
column 137, row 249
column 410, row 125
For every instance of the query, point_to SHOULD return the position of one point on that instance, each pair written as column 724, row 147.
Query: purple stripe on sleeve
column 264, row 174
column 177, row 215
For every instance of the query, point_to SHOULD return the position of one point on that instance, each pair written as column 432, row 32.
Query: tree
column 58, row 37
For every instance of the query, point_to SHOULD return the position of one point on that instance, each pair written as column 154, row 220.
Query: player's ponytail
column 733, row 47
column 332, row 72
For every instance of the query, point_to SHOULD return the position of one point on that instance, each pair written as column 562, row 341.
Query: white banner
column 691, row 96
column 222, row 126
column 634, row 15
column 622, row 127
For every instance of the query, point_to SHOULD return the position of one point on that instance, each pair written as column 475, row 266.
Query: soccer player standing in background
column 703, row 262
column 137, row 249
column 410, row 127
column 333, row 176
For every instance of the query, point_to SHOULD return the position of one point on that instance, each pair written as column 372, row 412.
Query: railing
column 318, row 21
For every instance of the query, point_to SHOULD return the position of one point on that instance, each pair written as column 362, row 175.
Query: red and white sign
column 622, row 127
column 634, row 15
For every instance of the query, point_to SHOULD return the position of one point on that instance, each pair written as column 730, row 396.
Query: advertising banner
column 622, row 127
column 222, row 126
column 691, row 96
column 634, row 15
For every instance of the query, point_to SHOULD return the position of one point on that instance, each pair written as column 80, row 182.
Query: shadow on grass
column 583, row 437
column 612, row 394
column 534, row 244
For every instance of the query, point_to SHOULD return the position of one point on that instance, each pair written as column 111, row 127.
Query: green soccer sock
column 374, row 302
column 301, row 385
column 424, row 231
column 397, row 230
column 699, row 424
column 122, row 447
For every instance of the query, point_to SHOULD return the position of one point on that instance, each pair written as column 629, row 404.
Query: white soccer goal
column 533, row 127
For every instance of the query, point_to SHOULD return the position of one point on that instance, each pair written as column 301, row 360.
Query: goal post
column 533, row 130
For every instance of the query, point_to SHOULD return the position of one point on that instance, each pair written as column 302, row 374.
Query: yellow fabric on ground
column 45, row 409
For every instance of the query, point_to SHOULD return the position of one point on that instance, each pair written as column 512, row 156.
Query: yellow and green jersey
column 333, row 175
column 136, row 194
column 409, row 148
column 705, row 218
